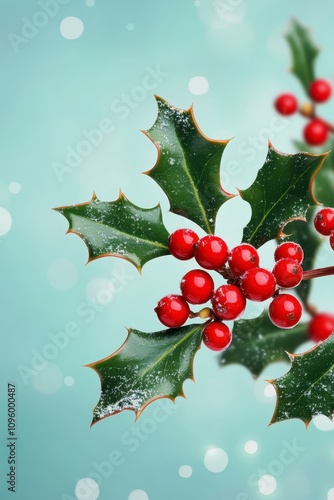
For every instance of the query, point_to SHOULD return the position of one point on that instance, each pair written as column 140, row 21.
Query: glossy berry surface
column 289, row 250
column 320, row 90
column 258, row 284
column 331, row 240
column 217, row 336
column 288, row 273
column 228, row 302
column 197, row 286
column 321, row 326
column 286, row 104
column 243, row 257
column 315, row 132
column 285, row 311
column 181, row 243
column 211, row 252
column 324, row 221
column 172, row 310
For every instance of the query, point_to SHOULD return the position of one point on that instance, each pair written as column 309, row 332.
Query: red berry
column 181, row 243
column 288, row 273
column 243, row 257
column 324, row 221
column 211, row 252
column 315, row 132
column 285, row 311
column 286, row 104
column 228, row 302
column 217, row 336
column 320, row 90
column 289, row 250
column 331, row 240
column 197, row 286
column 258, row 284
column 321, row 326
column 172, row 311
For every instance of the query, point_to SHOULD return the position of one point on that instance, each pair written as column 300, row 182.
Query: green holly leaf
column 324, row 180
column 303, row 52
column 148, row 366
column 257, row 343
column 307, row 389
column 188, row 165
column 118, row 228
column 281, row 192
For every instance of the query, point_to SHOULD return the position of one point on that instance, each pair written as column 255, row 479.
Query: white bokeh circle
column 68, row 381
column 14, row 187
column 5, row 221
column 216, row 460
column 138, row 495
column 267, row 484
column 269, row 391
column 71, row 27
column 323, row 423
column 185, row 471
column 198, row 85
column 87, row 489
column 330, row 494
column 251, row 447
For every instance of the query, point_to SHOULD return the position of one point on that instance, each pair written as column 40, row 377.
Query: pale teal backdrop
column 77, row 84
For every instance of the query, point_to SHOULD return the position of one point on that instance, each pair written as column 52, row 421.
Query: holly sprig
column 155, row 365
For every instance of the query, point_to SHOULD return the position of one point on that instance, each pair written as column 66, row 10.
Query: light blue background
column 53, row 91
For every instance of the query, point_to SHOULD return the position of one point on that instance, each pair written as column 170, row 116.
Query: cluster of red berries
column 316, row 130
column 245, row 280
column 324, row 224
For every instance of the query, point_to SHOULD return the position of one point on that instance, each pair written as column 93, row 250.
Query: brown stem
column 317, row 273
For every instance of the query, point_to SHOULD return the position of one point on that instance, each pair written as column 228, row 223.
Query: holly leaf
column 188, row 165
column 148, row 366
column 257, row 343
column 324, row 180
column 281, row 192
column 307, row 389
column 118, row 228
column 303, row 52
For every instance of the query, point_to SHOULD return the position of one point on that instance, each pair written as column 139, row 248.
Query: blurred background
column 78, row 84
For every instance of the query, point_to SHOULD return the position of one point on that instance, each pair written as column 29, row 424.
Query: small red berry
column 172, row 310
column 288, row 273
column 211, row 252
column 181, row 243
column 289, row 250
column 286, row 104
column 243, row 257
column 258, row 284
column 331, row 240
column 285, row 311
column 315, row 132
column 320, row 90
column 228, row 302
column 321, row 326
column 217, row 336
column 324, row 221
column 197, row 286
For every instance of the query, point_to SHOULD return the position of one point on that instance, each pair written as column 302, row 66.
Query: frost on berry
column 324, row 221
column 172, row 310
column 228, row 302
